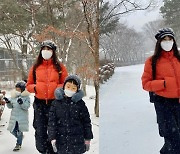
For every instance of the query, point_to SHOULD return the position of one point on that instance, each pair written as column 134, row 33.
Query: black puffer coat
column 69, row 123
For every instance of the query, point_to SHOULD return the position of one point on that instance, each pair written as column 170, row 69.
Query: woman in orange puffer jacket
column 44, row 77
column 162, row 77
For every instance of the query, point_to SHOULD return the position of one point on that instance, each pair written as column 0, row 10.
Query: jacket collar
column 24, row 93
column 49, row 62
column 59, row 95
column 168, row 54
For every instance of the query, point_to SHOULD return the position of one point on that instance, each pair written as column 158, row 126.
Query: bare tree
column 152, row 27
column 124, row 46
column 89, row 36
column 123, row 7
column 22, row 17
column 6, row 40
column 91, row 13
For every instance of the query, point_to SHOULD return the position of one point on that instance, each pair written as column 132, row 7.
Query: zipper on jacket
column 47, row 83
column 48, row 65
column 67, row 124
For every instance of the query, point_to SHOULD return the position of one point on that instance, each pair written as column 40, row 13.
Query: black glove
column 6, row 100
column 20, row 101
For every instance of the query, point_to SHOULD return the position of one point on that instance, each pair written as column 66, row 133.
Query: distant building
column 10, row 67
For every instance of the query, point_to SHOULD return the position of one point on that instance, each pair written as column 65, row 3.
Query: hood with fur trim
column 59, row 95
column 24, row 93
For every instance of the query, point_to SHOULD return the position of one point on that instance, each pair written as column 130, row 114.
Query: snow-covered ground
column 127, row 119
column 8, row 141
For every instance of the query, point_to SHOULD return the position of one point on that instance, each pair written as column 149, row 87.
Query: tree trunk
column 84, row 82
column 96, row 45
column 93, row 43
column 24, row 60
column 96, row 108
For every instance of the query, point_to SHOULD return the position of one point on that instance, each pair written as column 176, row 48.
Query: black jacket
column 69, row 123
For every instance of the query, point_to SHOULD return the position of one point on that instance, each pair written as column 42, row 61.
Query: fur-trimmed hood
column 59, row 95
column 23, row 94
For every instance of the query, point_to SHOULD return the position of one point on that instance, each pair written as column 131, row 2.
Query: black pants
column 168, row 119
column 40, row 123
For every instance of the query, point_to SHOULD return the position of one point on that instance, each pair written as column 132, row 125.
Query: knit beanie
column 50, row 44
column 164, row 32
column 21, row 85
column 74, row 78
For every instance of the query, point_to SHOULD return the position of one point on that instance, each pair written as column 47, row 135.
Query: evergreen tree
column 13, row 17
column 108, row 22
column 171, row 14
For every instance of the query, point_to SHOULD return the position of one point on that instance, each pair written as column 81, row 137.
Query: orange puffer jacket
column 47, row 80
column 168, row 70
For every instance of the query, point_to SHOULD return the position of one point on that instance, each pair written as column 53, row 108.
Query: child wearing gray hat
column 19, row 103
column 69, row 126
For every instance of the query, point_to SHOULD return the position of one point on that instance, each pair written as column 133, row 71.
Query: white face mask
column 69, row 93
column 18, row 93
column 46, row 54
column 167, row 45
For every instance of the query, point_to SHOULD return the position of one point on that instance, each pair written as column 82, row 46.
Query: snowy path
column 8, row 141
column 127, row 120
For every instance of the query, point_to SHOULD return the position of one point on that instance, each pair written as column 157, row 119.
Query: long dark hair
column 158, row 52
column 39, row 61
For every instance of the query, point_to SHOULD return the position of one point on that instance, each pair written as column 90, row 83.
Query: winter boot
column 17, row 147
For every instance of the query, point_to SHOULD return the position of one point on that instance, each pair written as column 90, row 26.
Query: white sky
column 139, row 18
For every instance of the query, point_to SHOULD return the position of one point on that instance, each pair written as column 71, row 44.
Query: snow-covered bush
column 105, row 72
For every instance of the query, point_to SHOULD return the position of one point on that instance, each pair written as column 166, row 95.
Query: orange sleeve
column 30, row 82
column 63, row 75
column 147, row 82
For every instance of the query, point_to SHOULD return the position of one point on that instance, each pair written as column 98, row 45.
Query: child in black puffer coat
column 69, row 126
